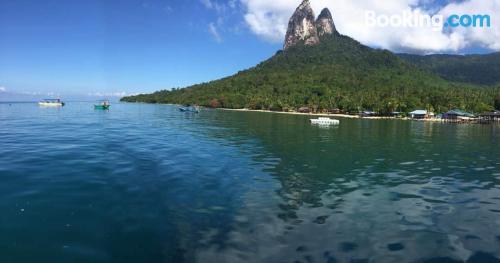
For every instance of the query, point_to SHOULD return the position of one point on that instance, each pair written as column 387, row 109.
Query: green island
column 339, row 74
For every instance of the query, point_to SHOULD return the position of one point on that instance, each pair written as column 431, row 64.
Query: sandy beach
column 318, row 114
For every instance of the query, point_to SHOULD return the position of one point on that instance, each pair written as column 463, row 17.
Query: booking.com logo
column 417, row 19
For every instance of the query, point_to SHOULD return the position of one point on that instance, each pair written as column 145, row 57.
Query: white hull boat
column 325, row 121
column 51, row 103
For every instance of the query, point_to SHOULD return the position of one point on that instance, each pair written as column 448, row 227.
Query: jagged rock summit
column 324, row 24
column 303, row 26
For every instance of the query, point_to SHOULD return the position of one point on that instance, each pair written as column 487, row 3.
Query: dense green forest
column 474, row 69
column 338, row 73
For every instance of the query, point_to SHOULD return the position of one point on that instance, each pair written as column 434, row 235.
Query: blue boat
column 193, row 109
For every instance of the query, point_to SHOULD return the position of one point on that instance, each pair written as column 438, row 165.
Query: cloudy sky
column 111, row 47
column 268, row 19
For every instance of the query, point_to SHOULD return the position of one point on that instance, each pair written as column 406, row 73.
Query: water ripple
column 147, row 183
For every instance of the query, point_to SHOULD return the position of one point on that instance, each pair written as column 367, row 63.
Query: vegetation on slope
column 474, row 69
column 337, row 73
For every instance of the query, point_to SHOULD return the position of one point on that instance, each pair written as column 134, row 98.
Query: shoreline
column 475, row 121
column 297, row 113
column 344, row 116
column 327, row 115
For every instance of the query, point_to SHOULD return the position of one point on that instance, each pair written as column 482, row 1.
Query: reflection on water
column 148, row 183
column 372, row 190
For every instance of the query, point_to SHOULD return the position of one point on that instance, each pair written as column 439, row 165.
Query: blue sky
column 108, row 46
column 112, row 46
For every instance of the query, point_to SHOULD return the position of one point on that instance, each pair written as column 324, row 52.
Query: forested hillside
column 339, row 73
column 474, row 69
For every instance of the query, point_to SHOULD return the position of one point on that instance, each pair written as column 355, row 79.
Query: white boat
column 325, row 121
column 51, row 103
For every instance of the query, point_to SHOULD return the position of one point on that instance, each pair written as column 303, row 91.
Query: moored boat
column 193, row 109
column 51, row 103
column 325, row 121
column 102, row 105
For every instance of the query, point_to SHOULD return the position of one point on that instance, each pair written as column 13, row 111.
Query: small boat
column 103, row 105
column 193, row 109
column 325, row 121
column 51, row 103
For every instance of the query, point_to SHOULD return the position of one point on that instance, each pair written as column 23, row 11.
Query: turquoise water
column 146, row 183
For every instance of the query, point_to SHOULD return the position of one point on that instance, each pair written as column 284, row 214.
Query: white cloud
column 486, row 37
column 232, row 4
column 217, row 6
column 212, row 29
column 223, row 10
column 269, row 19
column 3, row 89
column 207, row 3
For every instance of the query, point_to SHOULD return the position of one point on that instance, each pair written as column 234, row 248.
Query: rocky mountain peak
column 325, row 24
column 302, row 26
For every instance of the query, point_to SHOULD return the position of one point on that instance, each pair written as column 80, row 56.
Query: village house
column 420, row 114
column 458, row 115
